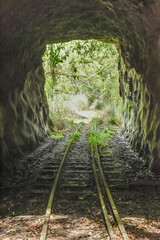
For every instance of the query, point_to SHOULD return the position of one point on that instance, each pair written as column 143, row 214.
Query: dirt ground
column 76, row 210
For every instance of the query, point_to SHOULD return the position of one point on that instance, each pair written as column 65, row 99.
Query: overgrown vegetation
column 100, row 136
column 82, row 76
column 76, row 135
column 57, row 136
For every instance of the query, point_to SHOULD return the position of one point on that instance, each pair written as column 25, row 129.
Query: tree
column 89, row 67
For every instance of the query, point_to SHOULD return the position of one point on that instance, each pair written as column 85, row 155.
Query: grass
column 56, row 136
column 76, row 135
column 100, row 136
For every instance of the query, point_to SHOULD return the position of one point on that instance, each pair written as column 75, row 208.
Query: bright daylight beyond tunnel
column 82, row 84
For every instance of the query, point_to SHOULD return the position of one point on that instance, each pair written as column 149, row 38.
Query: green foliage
column 76, row 135
column 57, row 106
column 56, row 136
column 101, row 137
column 87, row 68
column 71, row 122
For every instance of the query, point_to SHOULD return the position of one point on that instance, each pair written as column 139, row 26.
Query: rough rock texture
column 27, row 26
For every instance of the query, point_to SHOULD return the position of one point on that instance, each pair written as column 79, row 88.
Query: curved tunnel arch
column 27, row 26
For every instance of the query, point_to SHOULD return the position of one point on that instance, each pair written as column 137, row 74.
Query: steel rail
column 52, row 194
column 110, row 198
column 105, row 213
column 109, row 195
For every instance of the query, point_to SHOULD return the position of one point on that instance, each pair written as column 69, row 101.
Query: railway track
column 103, row 189
column 74, row 181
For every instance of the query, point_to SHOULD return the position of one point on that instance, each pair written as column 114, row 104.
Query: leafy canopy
column 85, row 68
column 89, row 67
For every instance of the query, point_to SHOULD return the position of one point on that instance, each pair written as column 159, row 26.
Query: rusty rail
column 52, row 194
column 95, row 156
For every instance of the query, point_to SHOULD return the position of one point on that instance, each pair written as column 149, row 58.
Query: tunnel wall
column 27, row 26
column 24, row 116
column 141, row 116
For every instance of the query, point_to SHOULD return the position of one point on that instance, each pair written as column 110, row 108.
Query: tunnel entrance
column 25, row 30
column 82, row 83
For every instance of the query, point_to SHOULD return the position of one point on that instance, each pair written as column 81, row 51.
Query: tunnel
column 27, row 26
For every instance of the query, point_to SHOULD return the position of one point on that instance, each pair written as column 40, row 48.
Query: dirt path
column 76, row 210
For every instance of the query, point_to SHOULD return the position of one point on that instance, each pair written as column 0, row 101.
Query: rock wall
column 24, row 115
column 27, row 26
column 141, row 117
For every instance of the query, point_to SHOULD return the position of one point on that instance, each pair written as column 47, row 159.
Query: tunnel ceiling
column 27, row 26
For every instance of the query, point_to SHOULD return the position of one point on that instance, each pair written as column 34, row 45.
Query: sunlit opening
column 82, row 83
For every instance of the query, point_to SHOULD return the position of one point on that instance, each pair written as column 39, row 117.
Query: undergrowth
column 100, row 136
column 76, row 135
column 56, row 135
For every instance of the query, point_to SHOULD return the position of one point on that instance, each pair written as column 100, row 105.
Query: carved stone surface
column 27, row 26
